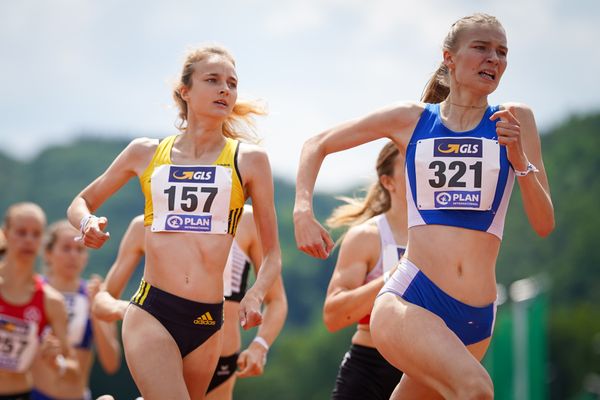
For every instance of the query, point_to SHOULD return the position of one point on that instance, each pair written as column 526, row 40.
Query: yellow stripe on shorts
column 146, row 290
column 137, row 295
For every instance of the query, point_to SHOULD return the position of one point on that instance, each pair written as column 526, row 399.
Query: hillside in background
column 303, row 363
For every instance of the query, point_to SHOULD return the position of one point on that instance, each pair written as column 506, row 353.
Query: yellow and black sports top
column 193, row 198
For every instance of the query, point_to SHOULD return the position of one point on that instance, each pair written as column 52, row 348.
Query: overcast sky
column 106, row 67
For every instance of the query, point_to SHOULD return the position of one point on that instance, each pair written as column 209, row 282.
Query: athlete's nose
column 224, row 91
column 493, row 57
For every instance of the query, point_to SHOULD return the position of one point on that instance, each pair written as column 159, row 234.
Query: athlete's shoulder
column 519, row 110
column 142, row 145
column 252, row 157
column 364, row 232
column 251, row 150
column 523, row 113
column 137, row 222
column 405, row 109
column 361, row 242
column 133, row 240
column 397, row 120
column 52, row 297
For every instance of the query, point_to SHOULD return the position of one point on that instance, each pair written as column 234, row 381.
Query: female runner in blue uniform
column 433, row 319
column 195, row 185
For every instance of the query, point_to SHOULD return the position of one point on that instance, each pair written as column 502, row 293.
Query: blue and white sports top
column 460, row 179
column 390, row 253
column 79, row 328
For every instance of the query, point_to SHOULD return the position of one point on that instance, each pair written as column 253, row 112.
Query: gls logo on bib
column 204, row 174
column 460, row 147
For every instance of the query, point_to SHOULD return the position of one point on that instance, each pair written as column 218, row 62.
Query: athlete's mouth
column 487, row 74
column 221, row 102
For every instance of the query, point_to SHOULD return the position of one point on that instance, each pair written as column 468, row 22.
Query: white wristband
column 82, row 224
column 262, row 342
column 61, row 363
column 530, row 168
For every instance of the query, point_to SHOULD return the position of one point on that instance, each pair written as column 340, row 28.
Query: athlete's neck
column 194, row 143
column 64, row 284
column 464, row 102
column 16, row 273
column 203, row 129
column 462, row 116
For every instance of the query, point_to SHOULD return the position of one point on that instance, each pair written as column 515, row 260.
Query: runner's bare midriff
column 459, row 261
column 188, row 265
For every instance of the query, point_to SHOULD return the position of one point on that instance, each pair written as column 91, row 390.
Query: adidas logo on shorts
column 205, row 319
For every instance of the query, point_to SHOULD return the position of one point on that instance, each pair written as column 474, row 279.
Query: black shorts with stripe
column 190, row 323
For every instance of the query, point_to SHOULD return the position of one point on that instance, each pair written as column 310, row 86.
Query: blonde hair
column 438, row 87
column 24, row 207
column 377, row 200
column 240, row 124
column 54, row 229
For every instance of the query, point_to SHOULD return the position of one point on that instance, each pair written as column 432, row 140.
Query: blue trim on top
column 430, row 126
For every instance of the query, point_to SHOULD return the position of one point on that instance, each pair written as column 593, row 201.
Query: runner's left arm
column 258, row 182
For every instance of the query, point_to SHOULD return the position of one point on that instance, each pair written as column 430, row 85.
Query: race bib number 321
column 456, row 173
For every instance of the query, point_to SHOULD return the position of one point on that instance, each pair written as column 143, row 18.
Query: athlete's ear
column 184, row 92
column 387, row 182
column 448, row 60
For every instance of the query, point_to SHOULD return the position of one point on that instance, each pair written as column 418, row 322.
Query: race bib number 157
column 191, row 198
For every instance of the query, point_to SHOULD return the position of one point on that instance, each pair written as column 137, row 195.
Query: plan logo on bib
column 192, row 223
column 457, row 198
column 457, row 147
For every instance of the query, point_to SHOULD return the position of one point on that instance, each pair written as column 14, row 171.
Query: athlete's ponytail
column 438, row 87
column 377, row 201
